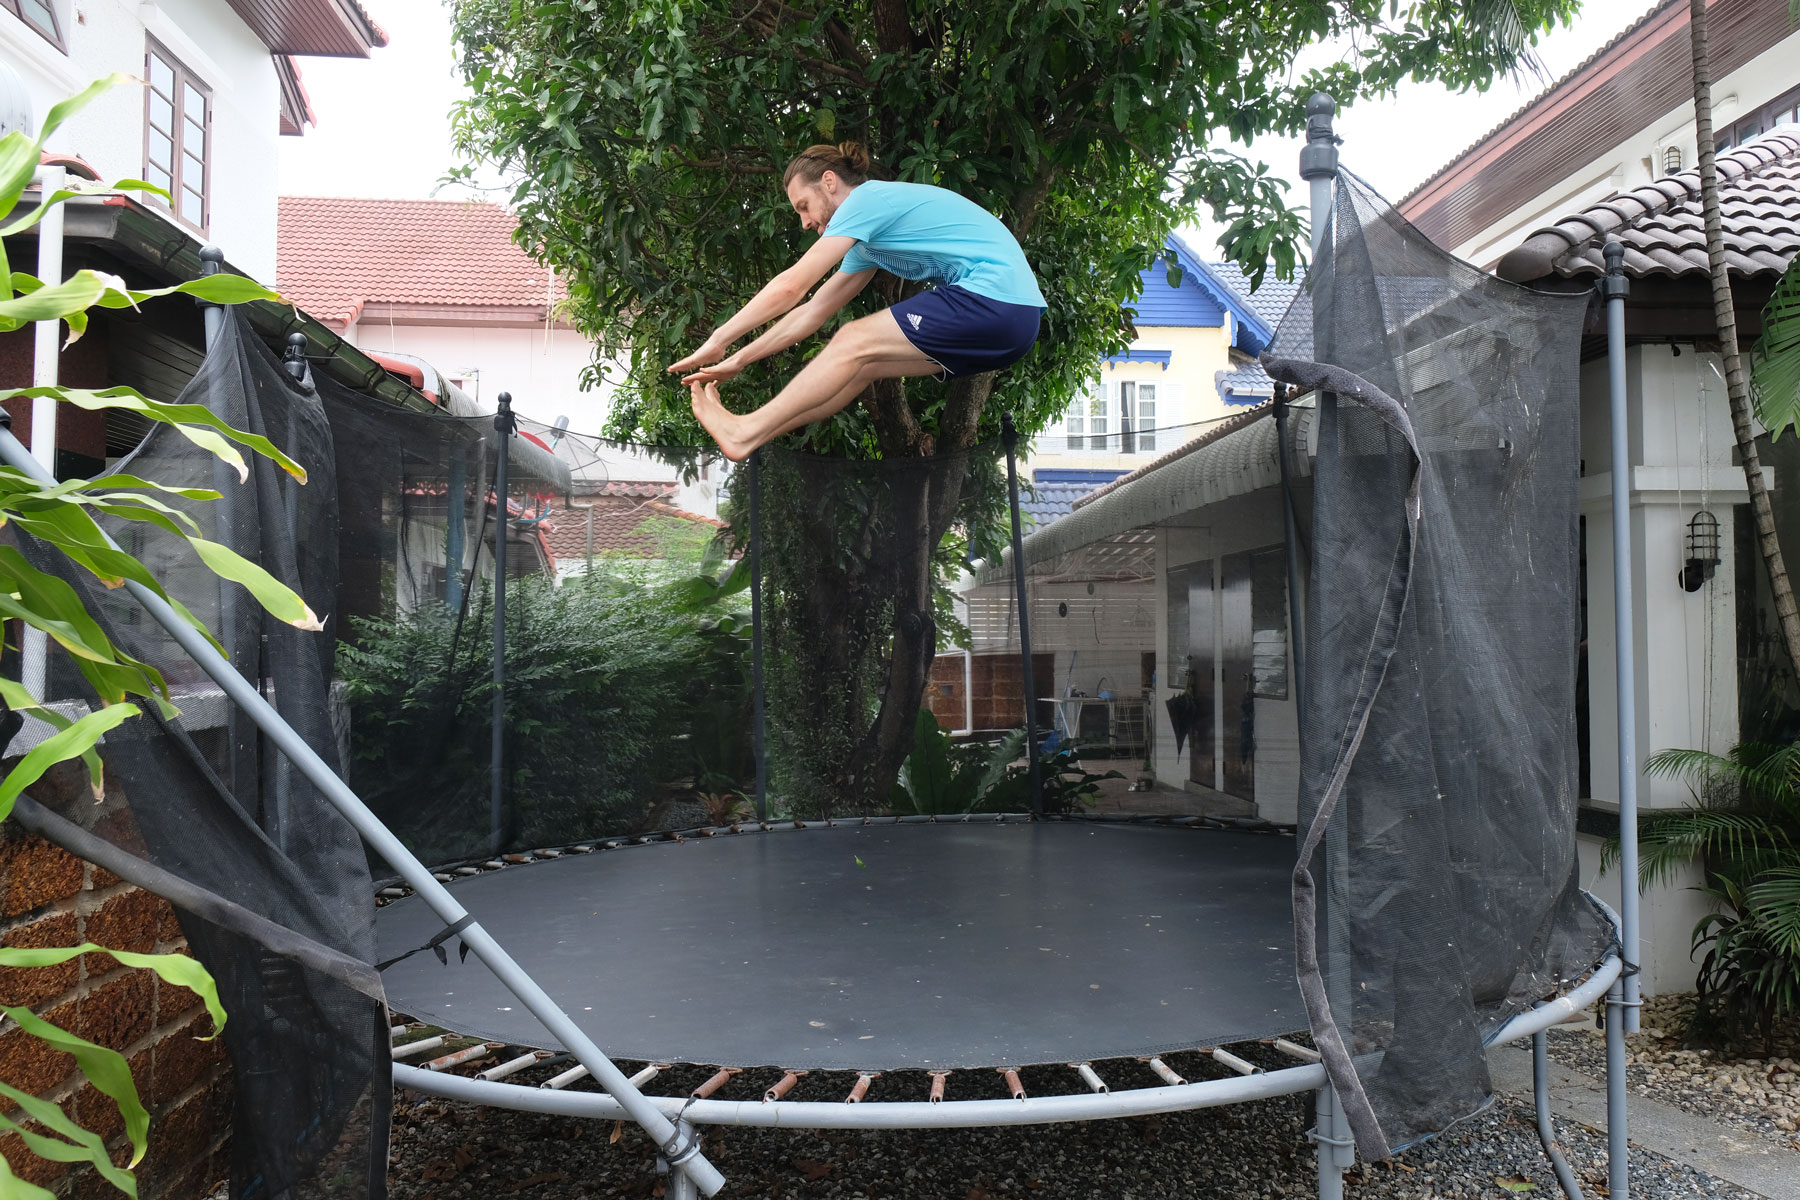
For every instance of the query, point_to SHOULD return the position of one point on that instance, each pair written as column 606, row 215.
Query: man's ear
column 831, row 187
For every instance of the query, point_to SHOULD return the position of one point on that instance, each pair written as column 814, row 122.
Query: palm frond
column 1774, row 902
column 1733, row 841
column 1775, row 359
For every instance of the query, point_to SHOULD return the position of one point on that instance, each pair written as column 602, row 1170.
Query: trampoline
column 881, row 946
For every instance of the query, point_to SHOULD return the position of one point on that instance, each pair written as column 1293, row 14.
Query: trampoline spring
column 443, row 878
column 459, row 1057
column 513, row 858
column 937, row 1086
column 395, row 1031
column 719, row 1079
column 1013, row 1086
column 391, row 893
column 1094, row 1082
column 418, row 1047
column 648, row 1073
column 492, row 864
column 512, row 1066
column 557, row 1083
column 1294, row 1050
column 1228, row 1059
column 863, row 1080
column 549, row 853
column 782, row 1086
column 1164, row 1073
column 468, row 871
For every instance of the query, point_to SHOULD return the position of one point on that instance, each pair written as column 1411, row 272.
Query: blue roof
column 1202, row 300
column 1054, row 491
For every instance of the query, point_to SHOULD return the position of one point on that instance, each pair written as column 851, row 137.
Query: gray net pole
column 1336, row 1147
column 503, row 425
column 1622, row 999
column 1010, row 435
column 759, row 741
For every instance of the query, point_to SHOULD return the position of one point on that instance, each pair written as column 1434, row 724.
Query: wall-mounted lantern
column 1702, row 551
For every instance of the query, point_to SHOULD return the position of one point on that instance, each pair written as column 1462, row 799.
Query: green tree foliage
column 648, row 139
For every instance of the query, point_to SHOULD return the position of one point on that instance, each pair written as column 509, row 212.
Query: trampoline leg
column 1618, row 1163
column 680, row 1186
column 1540, row 1081
column 1331, row 1134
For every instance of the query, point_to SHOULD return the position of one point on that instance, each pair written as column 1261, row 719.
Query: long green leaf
column 15, row 697
column 44, row 206
column 106, row 1069
column 182, row 416
column 58, row 1122
column 277, row 597
column 14, row 1188
column 180, row 970
column 72, row 742
column 62, row 110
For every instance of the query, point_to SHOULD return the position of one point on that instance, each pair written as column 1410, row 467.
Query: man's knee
column 861, row 339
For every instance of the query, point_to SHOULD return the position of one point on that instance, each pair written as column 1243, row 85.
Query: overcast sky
column 384, row 126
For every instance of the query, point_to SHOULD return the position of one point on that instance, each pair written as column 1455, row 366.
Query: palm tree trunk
column 1737, row 385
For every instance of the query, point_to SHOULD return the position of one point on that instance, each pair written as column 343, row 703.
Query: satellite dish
column 15, row 103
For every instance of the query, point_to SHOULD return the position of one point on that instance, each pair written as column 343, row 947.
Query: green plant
column 63, row 516
column 1744, row 827
column 618, row 682
column 942, row 777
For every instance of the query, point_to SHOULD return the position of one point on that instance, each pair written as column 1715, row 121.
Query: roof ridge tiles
column 1664, row 205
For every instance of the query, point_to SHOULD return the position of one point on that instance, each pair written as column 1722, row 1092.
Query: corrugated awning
column 1233, row 460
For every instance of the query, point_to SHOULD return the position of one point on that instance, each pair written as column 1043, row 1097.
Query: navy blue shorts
column 967, row 334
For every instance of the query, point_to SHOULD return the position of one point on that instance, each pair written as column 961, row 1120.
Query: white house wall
column 1684, row 643
column 211, row 41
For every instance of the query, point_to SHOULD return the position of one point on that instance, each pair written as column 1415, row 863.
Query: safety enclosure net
column 1438, row 782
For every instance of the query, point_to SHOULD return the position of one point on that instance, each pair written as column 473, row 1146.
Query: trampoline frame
column 671, row 1122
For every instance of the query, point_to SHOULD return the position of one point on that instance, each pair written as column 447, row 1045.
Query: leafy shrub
column 941, row 777
column 617, row 683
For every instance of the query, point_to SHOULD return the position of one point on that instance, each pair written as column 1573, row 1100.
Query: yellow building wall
column 1187, row 396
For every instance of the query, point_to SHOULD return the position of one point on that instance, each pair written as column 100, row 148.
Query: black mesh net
column 1439, row 772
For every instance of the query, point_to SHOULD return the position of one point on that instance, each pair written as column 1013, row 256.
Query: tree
column 1737, row 382
column 648, row 138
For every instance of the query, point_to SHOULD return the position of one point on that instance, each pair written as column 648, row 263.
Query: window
column 178, row 136
column 40, row 16
column 1145, row 416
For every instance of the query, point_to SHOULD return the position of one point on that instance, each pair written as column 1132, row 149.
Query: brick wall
column 997, row 688
column 50, row 898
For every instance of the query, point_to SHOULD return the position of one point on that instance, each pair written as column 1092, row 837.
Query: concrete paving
column 1754, row 1163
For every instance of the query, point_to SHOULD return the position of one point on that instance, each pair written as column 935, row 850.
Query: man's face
column 815, row 202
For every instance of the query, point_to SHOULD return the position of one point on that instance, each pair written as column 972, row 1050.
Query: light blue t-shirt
column 917, row 231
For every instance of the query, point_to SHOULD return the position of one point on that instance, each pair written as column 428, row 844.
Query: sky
column 384, row 130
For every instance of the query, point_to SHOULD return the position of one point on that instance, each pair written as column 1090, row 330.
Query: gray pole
column 1009, row 434
column 503, row 426
column 1622, row 999
column 683, row 1149
column 1336, row 1147
column 758, row 716
column 212, row 261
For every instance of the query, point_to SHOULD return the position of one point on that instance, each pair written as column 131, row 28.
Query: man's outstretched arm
column 801, row 322
column 776, row 297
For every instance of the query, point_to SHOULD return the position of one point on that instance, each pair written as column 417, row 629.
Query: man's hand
column 710, row 352
column 729, row 369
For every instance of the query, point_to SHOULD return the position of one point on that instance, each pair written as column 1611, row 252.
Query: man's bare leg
column 864, row 350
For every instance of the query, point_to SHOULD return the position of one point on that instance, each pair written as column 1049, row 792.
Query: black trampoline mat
column 880, row 947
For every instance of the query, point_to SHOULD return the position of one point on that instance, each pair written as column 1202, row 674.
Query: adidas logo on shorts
column 915, row 319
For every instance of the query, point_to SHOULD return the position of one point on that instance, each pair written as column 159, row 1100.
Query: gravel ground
column 1744, row 1087
column 445, row 1151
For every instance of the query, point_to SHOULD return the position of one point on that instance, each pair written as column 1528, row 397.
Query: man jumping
column 981, row 313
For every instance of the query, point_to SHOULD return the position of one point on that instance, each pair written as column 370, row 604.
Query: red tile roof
column 1662, row 228
column 334, row 255
column 618, row 525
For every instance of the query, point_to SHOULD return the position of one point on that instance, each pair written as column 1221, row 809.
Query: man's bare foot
column 726, row 427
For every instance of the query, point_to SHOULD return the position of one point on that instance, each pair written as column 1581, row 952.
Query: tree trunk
column 1737, row 385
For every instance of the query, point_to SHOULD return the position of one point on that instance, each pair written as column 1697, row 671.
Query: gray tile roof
column 1270, row 301
column 1248, row 381
column 1662, row 229
column 1044, row 503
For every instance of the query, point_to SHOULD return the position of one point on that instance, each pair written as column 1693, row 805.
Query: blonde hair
column 849, row 161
